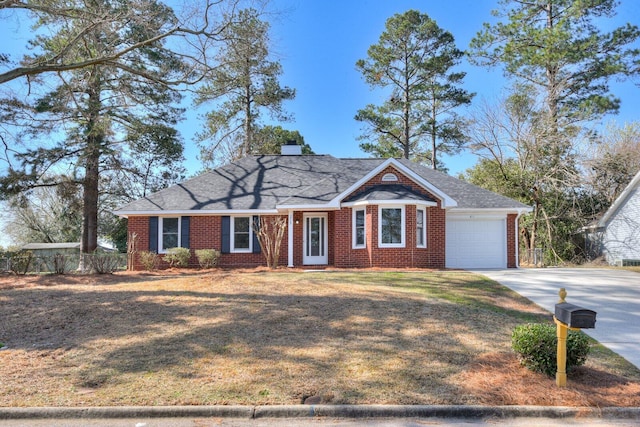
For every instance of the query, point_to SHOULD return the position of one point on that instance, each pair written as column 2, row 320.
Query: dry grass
column 258, row 337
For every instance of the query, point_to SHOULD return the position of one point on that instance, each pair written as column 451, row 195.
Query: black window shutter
column 184, row 232
column 256, row 227
column 226, row 234
column 153, row 234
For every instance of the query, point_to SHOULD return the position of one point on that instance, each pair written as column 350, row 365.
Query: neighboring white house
column 618, row 232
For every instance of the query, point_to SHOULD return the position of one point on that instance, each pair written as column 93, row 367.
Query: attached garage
column 476, row 242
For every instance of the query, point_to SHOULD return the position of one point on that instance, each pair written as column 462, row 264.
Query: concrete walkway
column 614, row 294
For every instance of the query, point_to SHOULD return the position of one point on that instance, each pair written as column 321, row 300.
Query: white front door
column 315, row 239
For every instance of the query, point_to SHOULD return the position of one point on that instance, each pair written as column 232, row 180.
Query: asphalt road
column 612, row 293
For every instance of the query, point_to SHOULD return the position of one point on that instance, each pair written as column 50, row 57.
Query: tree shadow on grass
column 256, row 344
column 315, row 345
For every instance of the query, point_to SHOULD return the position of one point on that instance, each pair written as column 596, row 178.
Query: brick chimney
column 291, row 148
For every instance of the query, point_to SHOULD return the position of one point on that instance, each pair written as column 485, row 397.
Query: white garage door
column 476, row 243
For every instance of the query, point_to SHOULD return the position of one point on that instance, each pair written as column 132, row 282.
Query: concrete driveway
column 613, row 294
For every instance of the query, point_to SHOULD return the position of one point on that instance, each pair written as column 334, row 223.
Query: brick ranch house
column 345, row 213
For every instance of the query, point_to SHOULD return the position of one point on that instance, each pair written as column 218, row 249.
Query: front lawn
column 258, row 337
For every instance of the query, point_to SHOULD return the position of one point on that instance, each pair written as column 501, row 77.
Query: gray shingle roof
column 467, row 195
column 388, row 192
column 264, row 182
column 40, row 246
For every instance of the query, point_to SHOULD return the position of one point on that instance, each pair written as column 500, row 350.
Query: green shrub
column 105, row 263
column 537, row 347
column 149, row 260
column 59, row 263
column 21, row 261
column 207, row 258
column 178, row 257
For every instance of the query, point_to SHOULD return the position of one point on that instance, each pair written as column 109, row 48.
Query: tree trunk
column 248, row 138
column 407, row 111
column 94, row 140
column 89, row 241
column 433, row 135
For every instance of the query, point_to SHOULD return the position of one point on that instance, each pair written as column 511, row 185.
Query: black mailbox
column 575, row 317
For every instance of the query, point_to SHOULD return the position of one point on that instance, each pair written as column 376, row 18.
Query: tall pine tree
column 415, row 59
column 556, row 49
column 90, row 114
column 241, row 87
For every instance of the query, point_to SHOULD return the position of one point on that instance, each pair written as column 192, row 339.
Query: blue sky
column 319, row 41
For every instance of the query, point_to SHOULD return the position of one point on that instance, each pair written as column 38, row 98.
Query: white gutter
column 390, row 202
column 489, row 211
column 187, row 212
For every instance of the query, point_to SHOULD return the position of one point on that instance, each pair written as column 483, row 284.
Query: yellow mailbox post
column 568, row 317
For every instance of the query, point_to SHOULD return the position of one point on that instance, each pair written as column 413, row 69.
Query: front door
column 315, row 239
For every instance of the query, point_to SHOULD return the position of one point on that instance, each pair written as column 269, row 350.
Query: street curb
column 318, row 411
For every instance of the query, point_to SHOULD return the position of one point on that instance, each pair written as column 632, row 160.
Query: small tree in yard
column 132, row 248
column 270, row 233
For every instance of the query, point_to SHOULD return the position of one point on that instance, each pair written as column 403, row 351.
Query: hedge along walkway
column 257, row 337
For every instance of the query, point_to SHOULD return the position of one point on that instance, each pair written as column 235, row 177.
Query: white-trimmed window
column 169, row 236
column 421, row 227
column 241, row 234
column 359, row 229
column 391, row 227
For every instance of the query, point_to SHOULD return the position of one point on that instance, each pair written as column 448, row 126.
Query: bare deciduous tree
column 612, row 161
column 512, row 141
column 270, row 232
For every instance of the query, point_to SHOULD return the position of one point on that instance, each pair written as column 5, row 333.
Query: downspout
column 290, row 241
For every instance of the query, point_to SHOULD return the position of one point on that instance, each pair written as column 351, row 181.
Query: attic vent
column 389, row 177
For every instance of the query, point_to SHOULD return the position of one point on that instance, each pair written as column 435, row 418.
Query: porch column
column 290, row 240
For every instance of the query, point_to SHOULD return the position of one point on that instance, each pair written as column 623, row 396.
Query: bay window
column 391, row 227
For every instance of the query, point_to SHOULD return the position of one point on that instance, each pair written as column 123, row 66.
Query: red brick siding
column 138, row 225
column 297, row 238
column 373, row 256
column 512, row 225
column 205, row 232
column 436, row 232
column 433, row 256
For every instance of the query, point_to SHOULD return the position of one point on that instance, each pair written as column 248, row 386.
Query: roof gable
column 445, row 200
column 620, row 201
